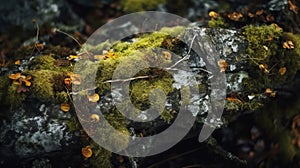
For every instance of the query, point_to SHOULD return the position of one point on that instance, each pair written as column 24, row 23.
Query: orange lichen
column 87, row 151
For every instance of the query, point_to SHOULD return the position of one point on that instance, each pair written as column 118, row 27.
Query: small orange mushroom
column 270, row 92
column 223, row 65
column 18, row 62
column 15, row 76
column 235, row 16
column 288, row 45
column 93, row 98
column 65, row 107
column 213, row 14
column 282, row 71
column 264, row 67
column 75, row 78
column 72, row 57
column 67, row 81
column 167, row 55
column 87, row 151
column 18, row 79
column 95, row 117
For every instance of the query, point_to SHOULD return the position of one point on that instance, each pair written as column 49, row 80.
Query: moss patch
column 138, row 5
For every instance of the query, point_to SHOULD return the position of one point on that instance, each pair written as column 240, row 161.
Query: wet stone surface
column 35, row 131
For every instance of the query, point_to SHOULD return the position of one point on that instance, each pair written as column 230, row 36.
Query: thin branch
column 126, row 80
column 89, row 89
column 187, row 56
column 60, row 31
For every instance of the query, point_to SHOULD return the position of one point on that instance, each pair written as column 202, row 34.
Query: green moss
column 43, row 62
column 61, row 97
column 140, row 90
column 101, row 157
column 237, row 106
column 4, row 83
column 218, row 22
column 291, row 57
column 262, row 42
column 98, row 49
column 138, row 5
column 73, row 124
column 273, row 119
column 13, row 98
column 167, row 116
column 43, row 85
column 109, row 135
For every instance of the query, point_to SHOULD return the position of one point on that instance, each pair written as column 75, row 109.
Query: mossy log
column 260, row 63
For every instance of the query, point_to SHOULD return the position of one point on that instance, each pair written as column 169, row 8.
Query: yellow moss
column 167, row 116
column 138, row 5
